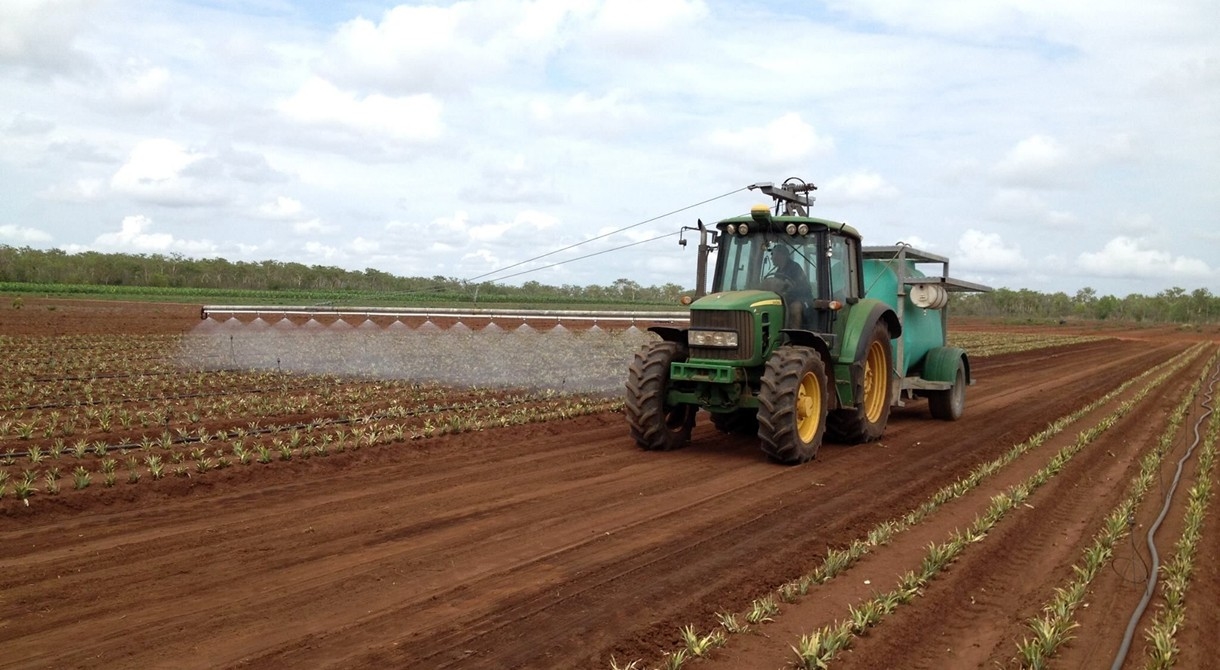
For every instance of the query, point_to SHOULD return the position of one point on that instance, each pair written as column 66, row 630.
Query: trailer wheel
column 655, row 425
column 792, row 404
column 741, row 421
column 866, row 421
column 949, row 404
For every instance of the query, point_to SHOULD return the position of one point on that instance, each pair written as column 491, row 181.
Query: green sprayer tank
column 922, row 329
column 892, row 275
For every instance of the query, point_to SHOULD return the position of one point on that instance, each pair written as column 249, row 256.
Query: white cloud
column 785, row 141
column 457, row 122
column 513, row 181
column 1035, row 161
column 154, row 172
column 314, row 227
column 135, row 237
column 41, row 34
column 643, row 27
column 1085, row 22
column 413, row 118
column 919, row 243
column 82, row 190
column 523, row 228
column 321, row 251
column 142, row 87
column 1132, row 258
column 987, row 252
column 27, row 124
column 282, row 208
column 1028, row 207
column 415, row 49
column 489, row 232
column 859, row 187
column 81, row 152
column 363, row 247
column 609, row 115
column 23, row 235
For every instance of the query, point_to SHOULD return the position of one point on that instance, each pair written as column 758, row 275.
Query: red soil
column 561, row 545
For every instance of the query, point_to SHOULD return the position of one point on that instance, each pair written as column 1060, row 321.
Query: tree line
column 1173, row 305
column 55, row 266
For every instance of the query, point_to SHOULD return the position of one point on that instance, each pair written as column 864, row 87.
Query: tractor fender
column 861, row 320
column 808, row 338
column 940, row 365
column 670, row 334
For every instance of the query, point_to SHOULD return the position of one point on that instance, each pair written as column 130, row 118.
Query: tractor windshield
column 780, row 263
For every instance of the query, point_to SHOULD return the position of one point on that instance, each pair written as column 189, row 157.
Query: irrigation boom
column 215, row 311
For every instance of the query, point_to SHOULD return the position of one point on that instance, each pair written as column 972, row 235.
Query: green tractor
column 806, row 334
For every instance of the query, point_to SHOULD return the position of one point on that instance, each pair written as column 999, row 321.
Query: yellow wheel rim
column 808, row 407
column 875, row 376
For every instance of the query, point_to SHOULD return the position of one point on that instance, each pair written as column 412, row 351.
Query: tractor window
column 841, row 268
column 802, row 251
column 740, row 260
column 747, row 262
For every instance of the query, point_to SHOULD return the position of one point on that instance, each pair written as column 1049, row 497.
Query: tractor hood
column 737, row 300
column 755, row 316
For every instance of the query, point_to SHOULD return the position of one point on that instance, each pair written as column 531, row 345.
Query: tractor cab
column 770, row 262
column 812, row 264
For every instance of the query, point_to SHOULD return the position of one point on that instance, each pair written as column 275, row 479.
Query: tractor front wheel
column 866, row 421
column 656, row 425
column 792, row 403
column 949, row 404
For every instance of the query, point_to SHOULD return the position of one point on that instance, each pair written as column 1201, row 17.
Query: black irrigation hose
column 1121, row 657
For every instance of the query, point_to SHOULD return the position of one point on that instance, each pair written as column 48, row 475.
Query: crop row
column 818, row 648
column 90, row 405
column 982, row 344
column 194, row 454
column 1050, row 630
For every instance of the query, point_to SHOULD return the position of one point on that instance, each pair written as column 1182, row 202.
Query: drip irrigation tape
column 1129, row 635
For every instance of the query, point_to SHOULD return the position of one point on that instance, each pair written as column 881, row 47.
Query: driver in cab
column 795, row 290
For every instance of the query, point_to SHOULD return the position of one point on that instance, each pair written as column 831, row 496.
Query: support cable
column 594, row 239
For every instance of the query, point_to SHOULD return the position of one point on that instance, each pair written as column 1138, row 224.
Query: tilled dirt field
column 562, row 545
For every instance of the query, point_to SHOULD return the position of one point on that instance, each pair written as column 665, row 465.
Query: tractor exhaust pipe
column 705, row 249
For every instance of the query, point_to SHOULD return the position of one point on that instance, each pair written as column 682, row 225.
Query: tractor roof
column 778, row 223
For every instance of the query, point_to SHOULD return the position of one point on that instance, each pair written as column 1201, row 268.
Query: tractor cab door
column 843, row 279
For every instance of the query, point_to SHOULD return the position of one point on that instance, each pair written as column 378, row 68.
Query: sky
column 1048, row 145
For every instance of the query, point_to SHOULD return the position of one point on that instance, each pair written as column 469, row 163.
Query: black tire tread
column 647, row 384
column 940, row 403
column 777, row 404
column 851, row 425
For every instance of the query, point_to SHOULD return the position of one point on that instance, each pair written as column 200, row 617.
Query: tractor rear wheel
column 792, row 404
column 949, row 404
column 656, row 425
column 741, row 421
column 866, row 421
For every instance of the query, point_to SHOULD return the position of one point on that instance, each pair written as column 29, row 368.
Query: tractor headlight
column 790, row 229
column 743, row 229
column 726, row 339
column 803, row 229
